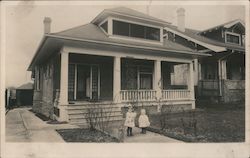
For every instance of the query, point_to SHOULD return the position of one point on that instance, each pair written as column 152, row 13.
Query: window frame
column 232, row 34
column 137, row 38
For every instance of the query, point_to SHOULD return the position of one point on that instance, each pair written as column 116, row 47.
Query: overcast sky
column 24, row 26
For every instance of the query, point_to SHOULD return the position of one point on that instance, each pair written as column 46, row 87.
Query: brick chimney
column 47, row 24
column 181, row 19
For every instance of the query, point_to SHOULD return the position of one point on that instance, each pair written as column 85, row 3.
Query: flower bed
column 85, row 135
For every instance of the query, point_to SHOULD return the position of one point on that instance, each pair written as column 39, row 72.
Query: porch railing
column 150, row 95
column 175, row 94
column 137, row 95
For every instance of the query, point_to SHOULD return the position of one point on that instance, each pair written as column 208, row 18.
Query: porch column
column 224, row 69
column 117, row 79
column 157, row 78
column 63, row 98
column 191, row 84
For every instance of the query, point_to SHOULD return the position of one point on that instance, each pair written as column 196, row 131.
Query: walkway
column 23, row 126
column 149, row 137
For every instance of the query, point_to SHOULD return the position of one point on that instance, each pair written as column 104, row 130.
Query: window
column 37, row 78
column 135, row 30
column 120, row 28
column 232, row 38
column 146, row 77
column 83, row 82
column 104, row 26
column 152, row 33
column 137, row 77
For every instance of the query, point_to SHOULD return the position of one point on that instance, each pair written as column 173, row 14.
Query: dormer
column 127, row 24
column 232, row 32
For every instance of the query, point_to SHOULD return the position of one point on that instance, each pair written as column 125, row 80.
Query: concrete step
column 84, row 121
column 104, row 118
column 87, row 110
column 93, row 106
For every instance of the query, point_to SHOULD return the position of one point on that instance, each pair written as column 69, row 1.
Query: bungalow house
column 121, row 56
column 221, row 76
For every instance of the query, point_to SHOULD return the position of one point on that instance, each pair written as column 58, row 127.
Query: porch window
column 145, row 77
column 137, row 77
column 135, row 30
column 83, row 82
column 210, row 71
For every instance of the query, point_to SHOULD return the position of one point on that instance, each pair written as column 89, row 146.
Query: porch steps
column 108, row 113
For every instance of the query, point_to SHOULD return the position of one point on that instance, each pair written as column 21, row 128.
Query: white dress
column 130, row 119
column 143, row 121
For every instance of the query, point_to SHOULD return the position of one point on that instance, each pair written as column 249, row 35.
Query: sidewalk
column 23, row 126
column 149, row 137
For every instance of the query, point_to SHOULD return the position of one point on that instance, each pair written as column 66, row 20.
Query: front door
column 87, row 87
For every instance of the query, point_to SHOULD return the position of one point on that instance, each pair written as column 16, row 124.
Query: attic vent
column 104, row 26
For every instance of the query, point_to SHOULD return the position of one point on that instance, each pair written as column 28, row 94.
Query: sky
column 24, row 26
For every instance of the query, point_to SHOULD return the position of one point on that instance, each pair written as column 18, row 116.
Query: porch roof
column 91, row 33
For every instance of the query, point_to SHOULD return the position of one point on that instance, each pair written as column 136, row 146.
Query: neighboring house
column 24, row 95
column 220, row 77
column 121, row 56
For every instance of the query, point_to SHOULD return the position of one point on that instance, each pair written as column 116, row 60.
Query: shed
column 24, row 94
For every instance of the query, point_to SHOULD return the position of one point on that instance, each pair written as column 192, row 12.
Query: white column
column 161, row 35
column 224, row 69
column 191, row 84
column 63, row 99
column 157, row 78
column 110, row 26
column 117, row 79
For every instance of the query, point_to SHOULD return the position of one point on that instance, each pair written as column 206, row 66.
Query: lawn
column 225, row 123
column 85, row 135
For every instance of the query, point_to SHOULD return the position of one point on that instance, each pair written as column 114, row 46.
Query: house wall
column 233, row 91
column 180, row 75
column 43, row 98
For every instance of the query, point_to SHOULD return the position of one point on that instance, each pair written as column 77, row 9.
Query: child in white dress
column 143, row 121
column 130, row 120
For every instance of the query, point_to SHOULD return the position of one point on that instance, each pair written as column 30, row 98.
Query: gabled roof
column 26, row 86
column 214, row 45
column 127, row 12
column 226, row 25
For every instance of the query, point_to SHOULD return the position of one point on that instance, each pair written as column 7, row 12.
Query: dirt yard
column 214, row 123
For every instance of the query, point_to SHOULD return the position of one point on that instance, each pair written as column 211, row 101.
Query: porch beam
column 117, row 79
column 157, row 78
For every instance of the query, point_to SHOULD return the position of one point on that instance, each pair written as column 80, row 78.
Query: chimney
column 47, row 23
column 181, row 19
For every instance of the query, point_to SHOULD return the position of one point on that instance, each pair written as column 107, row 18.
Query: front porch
column 97, row 79
column 222, row 78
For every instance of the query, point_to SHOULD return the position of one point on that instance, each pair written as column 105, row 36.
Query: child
column 130, row 120
column 143, row 121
